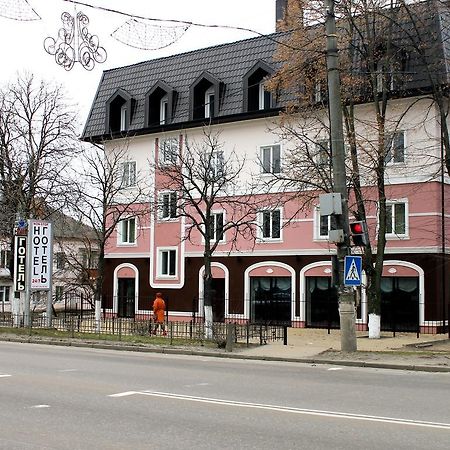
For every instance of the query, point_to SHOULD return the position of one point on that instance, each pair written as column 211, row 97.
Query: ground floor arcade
column 291, row 290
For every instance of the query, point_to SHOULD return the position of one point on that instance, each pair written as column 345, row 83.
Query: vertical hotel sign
column 20, row 262
column 40, row 235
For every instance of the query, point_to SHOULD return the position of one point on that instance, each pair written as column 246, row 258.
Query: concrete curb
column 219, row 354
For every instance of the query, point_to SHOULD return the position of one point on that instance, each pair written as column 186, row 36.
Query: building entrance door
column 321, row 303
column 125, row 297
column 218, row 299
column 270, row 301
column 400, row 304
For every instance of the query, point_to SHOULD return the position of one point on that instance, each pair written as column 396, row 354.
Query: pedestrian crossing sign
column 352, row 270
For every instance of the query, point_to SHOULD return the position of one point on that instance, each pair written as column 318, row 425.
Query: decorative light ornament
column 145, row 36
column 18, row 10
column 75, row 44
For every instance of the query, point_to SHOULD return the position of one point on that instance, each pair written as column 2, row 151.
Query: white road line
column 67, row 370
column 40, row 406
column 4, row 375
column 335, row 368
column 124, row 394
column 288, row 409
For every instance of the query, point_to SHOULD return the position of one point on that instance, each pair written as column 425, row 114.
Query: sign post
column 20, row 270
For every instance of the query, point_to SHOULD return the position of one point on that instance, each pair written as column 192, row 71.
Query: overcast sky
column 22, row 41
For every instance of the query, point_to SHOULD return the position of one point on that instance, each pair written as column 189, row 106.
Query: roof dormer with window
column 159, row 105
column 119, row 112
column 204, row 97
column 256, row 96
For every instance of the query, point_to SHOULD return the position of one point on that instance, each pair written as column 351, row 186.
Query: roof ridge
column 224, row 44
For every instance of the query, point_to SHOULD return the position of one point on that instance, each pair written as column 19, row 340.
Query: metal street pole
column 345, row 293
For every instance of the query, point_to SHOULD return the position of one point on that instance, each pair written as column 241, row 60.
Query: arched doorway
column 125, row 290
column 401, row 291
column 270, row 293
column 220, row 288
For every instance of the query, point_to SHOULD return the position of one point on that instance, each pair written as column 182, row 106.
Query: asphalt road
column 72, row 398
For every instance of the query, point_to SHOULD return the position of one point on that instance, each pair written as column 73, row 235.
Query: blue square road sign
column 352, row 270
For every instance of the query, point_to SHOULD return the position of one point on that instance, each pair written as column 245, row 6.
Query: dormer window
column 256, row 95
column 163, row 105
column 159, row 105
column 265, row 97
column 209, row 103
column 205, row 97
column 123, row 117
column 119, row 112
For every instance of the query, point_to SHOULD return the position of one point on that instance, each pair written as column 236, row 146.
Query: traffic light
column 358, row 231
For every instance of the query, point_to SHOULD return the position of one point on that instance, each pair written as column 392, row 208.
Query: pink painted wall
column 276, row 271
column 125, row 272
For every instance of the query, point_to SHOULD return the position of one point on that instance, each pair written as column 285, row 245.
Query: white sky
column 22, row 42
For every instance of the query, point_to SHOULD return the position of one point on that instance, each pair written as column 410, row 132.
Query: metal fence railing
column 194, row 330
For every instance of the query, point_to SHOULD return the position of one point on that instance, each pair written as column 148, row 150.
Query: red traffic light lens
column 356, row 228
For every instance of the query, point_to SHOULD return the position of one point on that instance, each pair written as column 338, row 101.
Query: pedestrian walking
column 159, row 309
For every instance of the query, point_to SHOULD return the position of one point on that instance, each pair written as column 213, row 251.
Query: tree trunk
column 207, row 296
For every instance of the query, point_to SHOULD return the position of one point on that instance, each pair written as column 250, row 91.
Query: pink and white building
column 285, row 275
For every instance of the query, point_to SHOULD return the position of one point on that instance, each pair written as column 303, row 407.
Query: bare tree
column 376, row 40
column 107, row 189
column 207, row 179
column 37, row 142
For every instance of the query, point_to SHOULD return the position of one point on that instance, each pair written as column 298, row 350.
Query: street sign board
column 352, row 270
column 40, row 254
column 20, row 262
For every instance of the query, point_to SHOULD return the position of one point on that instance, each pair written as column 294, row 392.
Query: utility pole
column 345, row 293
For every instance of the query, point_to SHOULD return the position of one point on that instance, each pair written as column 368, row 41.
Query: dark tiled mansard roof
column 229, row 63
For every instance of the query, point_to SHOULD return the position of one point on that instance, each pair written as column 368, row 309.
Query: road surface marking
column 335, row 368
column 4, row 375
column 197, row 384
column 124, row 394
column 40, row 406
column 310, row 412
column 67, row 370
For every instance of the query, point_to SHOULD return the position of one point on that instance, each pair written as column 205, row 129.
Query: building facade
column 282, row 272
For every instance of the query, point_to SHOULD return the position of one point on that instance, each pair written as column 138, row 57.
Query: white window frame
column 393, row 235
column 390, row 139
column 214, row 215
column 169, row 149
column 5, row 292
column 262, row 96
column 170, row 195
column 318, row 225
column 210, row 92
column 127, row 221
column 381, row 72
column 321, row 153
column 261, row 225
column 160, row 271
column 59, row 293
column 123, row 117
column 271, row 169
column 4, row 258
column 128, row 174
column 317, row 92
column 60, row 260
column 163, row 109
column 216, row 162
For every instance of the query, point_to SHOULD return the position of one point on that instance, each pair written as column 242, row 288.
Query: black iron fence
column 88, row 326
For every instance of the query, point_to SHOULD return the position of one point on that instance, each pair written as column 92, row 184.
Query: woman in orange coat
column 159, row 309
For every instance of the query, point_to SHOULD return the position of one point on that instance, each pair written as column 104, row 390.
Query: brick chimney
column 280, row 10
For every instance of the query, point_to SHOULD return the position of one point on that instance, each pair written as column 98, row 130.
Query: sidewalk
column 428, row 352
